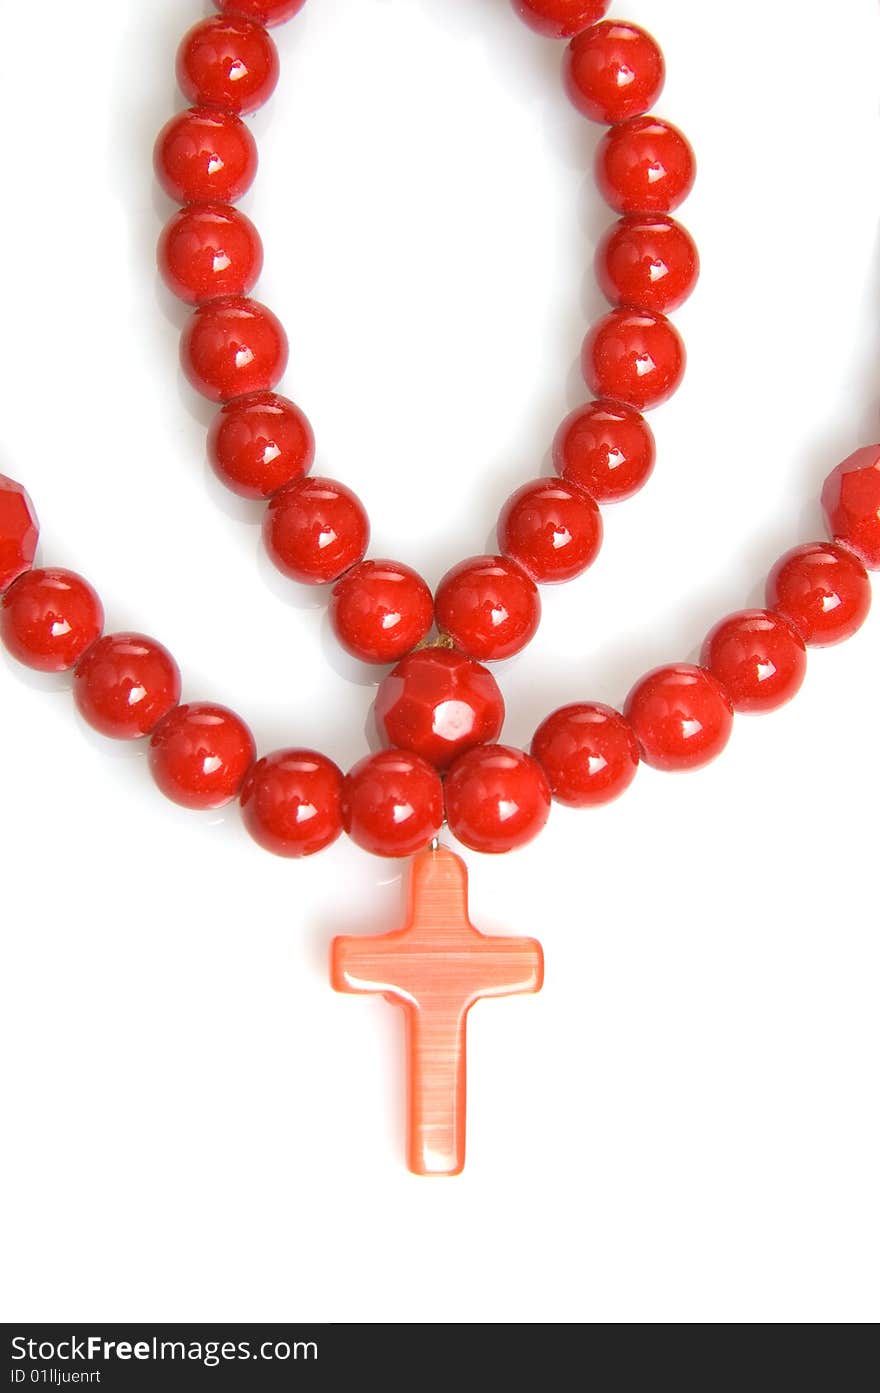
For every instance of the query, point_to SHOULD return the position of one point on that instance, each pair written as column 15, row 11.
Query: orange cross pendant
column 436, row 968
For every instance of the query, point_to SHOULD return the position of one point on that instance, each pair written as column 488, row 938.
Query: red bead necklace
column 439, row 711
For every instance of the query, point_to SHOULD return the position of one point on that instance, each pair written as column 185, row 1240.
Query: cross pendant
column 436, row 968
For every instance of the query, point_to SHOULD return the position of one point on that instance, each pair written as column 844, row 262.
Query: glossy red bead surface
column 49, row 618
column 552, row 528
column 200, row 754
column 392, row 803
column 634, row 357
column 823, row 589
column 648, row 263
column 231, row 348
column 230, row 63
column 259, row 444
column 589, row 754
column 439, row 704
column 315, row 530
column 681, row 715
column 497, row 799
column 263, row 11
column 559, row 19
column 645, row 166
column 489, row 607
column 19, row 532
column 205, row 156
column 125, row 684
column 758, row 657
column 606, row 448
column 291, row 803
column 380, row 610
column 851, row 500
column 613, row 71
column 209, row 251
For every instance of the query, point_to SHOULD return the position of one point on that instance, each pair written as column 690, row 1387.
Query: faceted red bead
column 210, row 251
column 489, row 607
column 19, row 532
column 233, row 347
column 392, row 803
column 291, row 803
column 125, row 685
column 607, row 448
column 380, row 610
column 497, row 799
column 682, row 717
column 263, row 11
column 230, row 63
column 258, row 444
column 758, row 657
column 851, row 499
column 552, row 529
column 315, row 530
column 614, row 71
column 649, row 263
column 645, row 166
column 49, row 618
column 205, row 156
column 634, row 357
column 439, row 704
column 823, row 589
column 559, row 19
column 589, row 754
column 199, row 755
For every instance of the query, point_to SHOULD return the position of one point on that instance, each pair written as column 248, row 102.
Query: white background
column 683, row 1126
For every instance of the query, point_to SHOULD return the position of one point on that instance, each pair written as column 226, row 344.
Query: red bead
column 316, row 530
column 258, row 444
column 552, row 529
column 559, row 19
column 649, row 263
column 823, row 589
column 230, row 63
column 645, row 166
column 263, row 11
column 634, row 357
column 207, row 252
column 392, row 803
column 380, row 610
column 589, row 754
column 614, row 71
column 19, row 532
column 439, row 704
column 489, row 607
column 205, row 156
column 759, row 659
column 851, row 499
column 233, row 347
column 682, row 717
column 497, row 799
column 200, row 754
column 125, row 685
column 48, row 619
column 291, row 803
column 606, row 448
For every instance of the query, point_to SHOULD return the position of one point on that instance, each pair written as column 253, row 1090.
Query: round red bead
column 682, row 717
column 589, row 754
column 645, row 166
column 439, row 704
column 258, row 444
column 49, row 618
column 263, row 11
column 606, row 448
column 230, row 63
column 206, row 252
column 489, row 607
column 315, row 530
column 552, row 529
column 200, row 754
column 380, row 610
column 648, row 263
column 559, row 19
column 291, row 803
column 392, row 803
column 614, row 71
column 759, row 659
column 497, row 799
column 823, row 589
column 19, row 532
column 634, row 357
column 205, row 156
column 125, row 685
column 233, row 347
column 851, row 499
